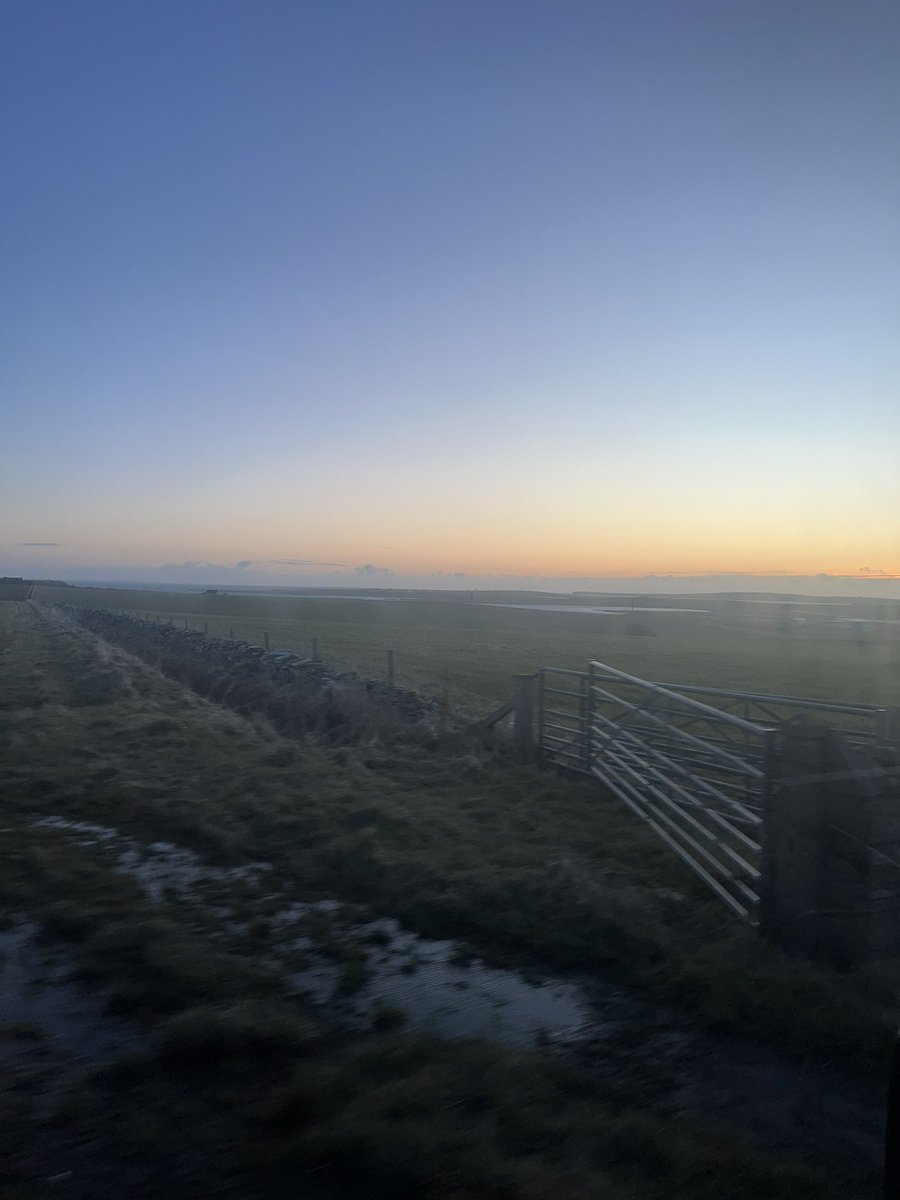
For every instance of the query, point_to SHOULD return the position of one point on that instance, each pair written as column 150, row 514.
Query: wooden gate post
column 523, row 718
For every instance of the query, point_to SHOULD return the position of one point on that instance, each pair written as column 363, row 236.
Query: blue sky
column 504, row 289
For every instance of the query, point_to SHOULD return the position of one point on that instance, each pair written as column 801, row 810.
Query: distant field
column 474, row 649
column 14, row 591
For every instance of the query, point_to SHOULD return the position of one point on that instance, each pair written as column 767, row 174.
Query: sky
column 446, row 290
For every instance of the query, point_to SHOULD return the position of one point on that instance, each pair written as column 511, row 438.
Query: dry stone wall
column 296, row 695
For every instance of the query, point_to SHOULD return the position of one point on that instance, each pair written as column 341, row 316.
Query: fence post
column 390, row 670
column 205, row 627
column 185, row 622
column 266, row 640
column 523, row 718
column 231, row 632
column 830, row 882
column 794, row 841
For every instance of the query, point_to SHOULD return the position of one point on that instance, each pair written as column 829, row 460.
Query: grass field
column 237, row 1085
column 474, row 649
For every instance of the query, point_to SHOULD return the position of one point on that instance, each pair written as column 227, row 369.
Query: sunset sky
column 449, row 288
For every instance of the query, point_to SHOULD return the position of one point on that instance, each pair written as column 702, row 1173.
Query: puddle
column 161, row 866
column 421, row 979
column 35, row 991
column 424, row 981
column 94, row 834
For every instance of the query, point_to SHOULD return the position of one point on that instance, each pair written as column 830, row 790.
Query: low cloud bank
column 298, row 572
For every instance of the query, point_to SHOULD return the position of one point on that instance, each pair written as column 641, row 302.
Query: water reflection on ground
column 37, row 994
column 434, row 990
column 425, row 984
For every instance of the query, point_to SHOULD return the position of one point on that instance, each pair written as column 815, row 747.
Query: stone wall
column 296, row 695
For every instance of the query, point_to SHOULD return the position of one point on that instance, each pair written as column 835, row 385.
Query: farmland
column 163, row 855
column 474, row 649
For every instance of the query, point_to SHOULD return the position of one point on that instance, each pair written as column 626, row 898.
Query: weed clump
column 210, row 1037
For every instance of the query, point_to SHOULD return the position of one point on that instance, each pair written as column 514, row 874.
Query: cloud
column 190, row 565
column 40, row 543
column 368, row 569
column 246, row 563
column 303, row 562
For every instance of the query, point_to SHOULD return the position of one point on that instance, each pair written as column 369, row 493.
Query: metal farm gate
column 700, row 772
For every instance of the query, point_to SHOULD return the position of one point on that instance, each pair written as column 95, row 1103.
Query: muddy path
column 362, row 971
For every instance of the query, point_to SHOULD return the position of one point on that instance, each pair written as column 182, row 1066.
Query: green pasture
column 473, row 649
